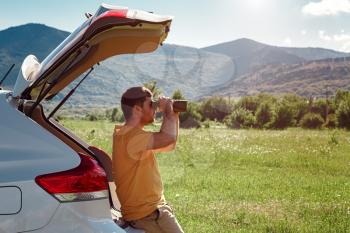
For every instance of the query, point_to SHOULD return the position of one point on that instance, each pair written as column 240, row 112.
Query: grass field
column 222, row 180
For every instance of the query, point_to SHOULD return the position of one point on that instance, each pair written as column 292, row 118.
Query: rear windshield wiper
column 5, row 76
column 69, row 94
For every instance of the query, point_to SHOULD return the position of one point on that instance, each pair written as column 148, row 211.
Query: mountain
column 191, row 70
column 249, row 55
column 238, row 67
column 18, row 42
column 194, row 71
column 313, row 78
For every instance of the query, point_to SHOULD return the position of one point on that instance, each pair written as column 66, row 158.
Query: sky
column 201, row 23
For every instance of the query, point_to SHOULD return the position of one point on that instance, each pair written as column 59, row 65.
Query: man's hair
column 133, row 96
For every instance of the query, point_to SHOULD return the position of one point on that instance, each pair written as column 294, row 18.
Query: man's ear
column 137, row 109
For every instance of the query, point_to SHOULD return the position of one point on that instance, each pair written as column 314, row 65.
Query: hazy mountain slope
column 18, row 42
column 248, row 55
column 237, row 68
column 313, row 78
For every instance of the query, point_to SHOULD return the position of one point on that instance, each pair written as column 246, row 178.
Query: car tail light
column 86, row 182
column 120, row 13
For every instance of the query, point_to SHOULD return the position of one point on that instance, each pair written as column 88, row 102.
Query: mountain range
column 235, row 68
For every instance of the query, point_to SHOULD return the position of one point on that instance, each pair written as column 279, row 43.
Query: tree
column 215, row 108
column 283, row 117
column 177, row 95
column 240, row 118
column 152, row 86
column 343, row 113
column 250, row 103
column 191, row 118
column 312, row 121
column 264, row 114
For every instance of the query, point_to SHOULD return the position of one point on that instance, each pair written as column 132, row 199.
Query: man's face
column 148, row 111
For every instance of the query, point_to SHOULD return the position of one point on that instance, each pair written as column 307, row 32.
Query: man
column 138, row 183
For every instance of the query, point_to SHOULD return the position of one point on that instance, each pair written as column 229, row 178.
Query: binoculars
column 178, row 105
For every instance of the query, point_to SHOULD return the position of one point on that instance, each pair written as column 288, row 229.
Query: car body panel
column 27, row 219
column 78, row 217
column 13, row 197
column 28, row 150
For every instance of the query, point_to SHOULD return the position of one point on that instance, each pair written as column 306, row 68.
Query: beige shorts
column 161, row 220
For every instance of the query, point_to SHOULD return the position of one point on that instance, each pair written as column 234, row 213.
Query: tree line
column 261, row 111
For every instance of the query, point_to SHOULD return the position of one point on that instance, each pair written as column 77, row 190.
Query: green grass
column 222, row 180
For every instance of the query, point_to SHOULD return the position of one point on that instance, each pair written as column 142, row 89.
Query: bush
column 283, row 117
column 322, row 107
column 250, row 103
column 215, row 108
column 331, row 122
column 91, row 117
column 177, row 95
column 264, row 115
column 312, row 121
column 340, row 96
column 240, row 118
column 191, row 118
column 343, row 113
column 117, row 115
column 298, row 106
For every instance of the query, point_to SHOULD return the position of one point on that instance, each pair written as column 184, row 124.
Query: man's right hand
column 165, row 105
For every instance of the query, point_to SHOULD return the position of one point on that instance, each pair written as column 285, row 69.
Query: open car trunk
column 111, row 31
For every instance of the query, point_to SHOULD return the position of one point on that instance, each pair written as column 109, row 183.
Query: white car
column 50, row 180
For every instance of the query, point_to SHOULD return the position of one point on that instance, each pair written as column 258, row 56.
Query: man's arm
column 172, row 145
column 168, row 133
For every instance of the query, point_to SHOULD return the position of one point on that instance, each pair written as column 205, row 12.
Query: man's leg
column 149, row 223
column 167, row 220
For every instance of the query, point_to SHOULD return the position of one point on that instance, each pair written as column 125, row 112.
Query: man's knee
column 167, row 220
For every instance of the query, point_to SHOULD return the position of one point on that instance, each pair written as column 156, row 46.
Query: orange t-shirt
column 136, row 175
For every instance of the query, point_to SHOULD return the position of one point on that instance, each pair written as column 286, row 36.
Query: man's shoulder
column 129, row 130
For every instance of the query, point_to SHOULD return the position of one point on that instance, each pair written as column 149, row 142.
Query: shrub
column 250, row 103
column 191, row 118
column 331, row 122
column 343, row 114
column 322, row 107
column 340, row 96
column 215, row 108
column 298, row 106
column 264, row 115
column 117, row 115
column 240, row 118
column 312, row 121
column 283, row 117
column 91, row 117
column 177, row 95
column 152, row 86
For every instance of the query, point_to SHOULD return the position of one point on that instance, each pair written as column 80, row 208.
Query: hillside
column 18, row 42
column 313, row 78
column 249, row 55
column 233, row 68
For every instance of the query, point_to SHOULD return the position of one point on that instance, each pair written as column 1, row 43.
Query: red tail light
column 88, row 181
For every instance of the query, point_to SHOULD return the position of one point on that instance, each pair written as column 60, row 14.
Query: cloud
column 346, row 47
column 342, row 39
column 323, row 36
column 287, row 41
column 327, row 7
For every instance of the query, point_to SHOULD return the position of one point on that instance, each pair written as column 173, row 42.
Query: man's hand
column 164, row 104
column 168, row 133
